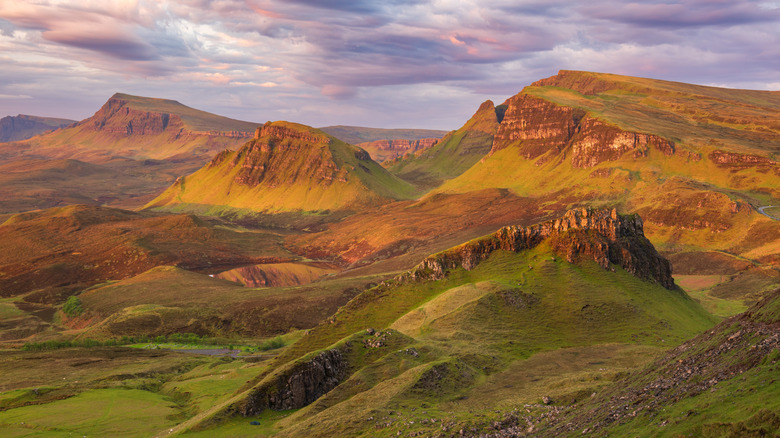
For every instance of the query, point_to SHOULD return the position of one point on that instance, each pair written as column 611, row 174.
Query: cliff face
column 602, row 235
column 381, row 150
column 22, row 127
column 281, row 155
column 301, row 385
column 537, row 126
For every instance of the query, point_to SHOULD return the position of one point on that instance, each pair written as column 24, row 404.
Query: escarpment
column 300, row 385
column 601, row 235
column 538, row 126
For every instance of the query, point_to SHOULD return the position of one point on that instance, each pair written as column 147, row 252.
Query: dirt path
column 761, row 210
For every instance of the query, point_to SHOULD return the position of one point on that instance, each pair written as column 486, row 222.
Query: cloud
column 367, row 60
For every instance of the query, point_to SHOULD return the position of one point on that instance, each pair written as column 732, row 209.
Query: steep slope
column 137, row 127
column 720, row 383
column 684, row 156
column 287, row 167
column 483, row 310
column 22, row 127
column 454, row 154
column 359, row 134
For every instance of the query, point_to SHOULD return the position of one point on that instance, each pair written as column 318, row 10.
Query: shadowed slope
column 22, row 127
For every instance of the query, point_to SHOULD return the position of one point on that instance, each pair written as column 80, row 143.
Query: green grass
column 103, row 412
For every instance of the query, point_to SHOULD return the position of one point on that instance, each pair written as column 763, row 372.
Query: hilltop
column 286, row 167
column 22, row 127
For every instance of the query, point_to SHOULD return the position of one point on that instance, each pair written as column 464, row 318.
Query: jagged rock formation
column 602, row 235
column 22, row 127
column 538, row 126
column 300, row 385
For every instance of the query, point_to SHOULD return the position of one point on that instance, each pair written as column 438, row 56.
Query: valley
column 597, row 255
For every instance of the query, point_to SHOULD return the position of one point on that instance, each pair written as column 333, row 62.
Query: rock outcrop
column 300, row 385
column 388, row 149
column 601, row 235
column 537, row 126
column 733, row 159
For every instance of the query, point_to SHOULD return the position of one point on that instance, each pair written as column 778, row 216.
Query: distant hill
column 22, row 127
column 358, row 134
column 287, row 167
column 139, row 128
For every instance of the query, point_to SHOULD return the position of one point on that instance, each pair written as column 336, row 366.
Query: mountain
column 448, row 336
column 139, row 128
column 22, row 127
column 286, row 167
column 686, row 157
column 358, row 134
column 454, row 154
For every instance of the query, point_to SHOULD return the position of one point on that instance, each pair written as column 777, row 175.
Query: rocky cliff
column 536, row 126
column 22, row 127
column 300, row 385
column 601, row 235
column 381, row 150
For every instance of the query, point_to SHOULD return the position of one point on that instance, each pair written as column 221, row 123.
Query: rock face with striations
column 382, row 150
column 538, row 126
column 301, row 385
column 601, row 235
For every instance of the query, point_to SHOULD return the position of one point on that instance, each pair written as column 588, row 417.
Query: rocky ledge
column 300, row 385
column 601, row 235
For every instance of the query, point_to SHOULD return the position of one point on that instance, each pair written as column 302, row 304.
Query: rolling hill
column 287, row 167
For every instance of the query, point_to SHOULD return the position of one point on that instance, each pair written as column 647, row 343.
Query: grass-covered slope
column 486, row 318
column 287, row 167
column 721, row 383
column 454, row 154
column 139, row 128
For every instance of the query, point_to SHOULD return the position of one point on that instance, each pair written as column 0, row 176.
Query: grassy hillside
column 288, row 167
column 454, row 154
column 643, row 145
column 454, row 341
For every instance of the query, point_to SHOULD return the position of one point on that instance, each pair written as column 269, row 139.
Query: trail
column 761, row 210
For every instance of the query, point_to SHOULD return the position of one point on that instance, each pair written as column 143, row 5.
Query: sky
column 377, row 63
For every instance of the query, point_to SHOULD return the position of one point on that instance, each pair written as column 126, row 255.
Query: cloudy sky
column 381, row 63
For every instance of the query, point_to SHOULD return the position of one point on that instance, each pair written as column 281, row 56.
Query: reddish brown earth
column 84, row 245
